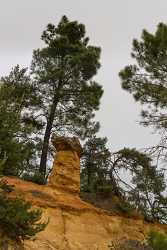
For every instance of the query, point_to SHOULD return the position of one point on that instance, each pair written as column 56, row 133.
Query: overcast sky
column 110, row 24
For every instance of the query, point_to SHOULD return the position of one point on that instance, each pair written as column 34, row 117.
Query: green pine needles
column 17, row 219
column 157, row 240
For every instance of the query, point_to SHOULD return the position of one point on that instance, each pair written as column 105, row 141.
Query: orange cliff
column 74, row 224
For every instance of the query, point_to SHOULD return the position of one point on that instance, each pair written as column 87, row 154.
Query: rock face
column 74, row 224
column 65, row 175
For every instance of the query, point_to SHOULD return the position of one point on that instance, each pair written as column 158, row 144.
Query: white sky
column 110, row 24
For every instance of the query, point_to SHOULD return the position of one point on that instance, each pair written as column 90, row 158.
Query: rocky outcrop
column 74, row 224
column 65, row 174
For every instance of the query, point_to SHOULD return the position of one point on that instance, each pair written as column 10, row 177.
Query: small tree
column 94, row 164
column 17, row 219
column 145, row 189
column 97, row 173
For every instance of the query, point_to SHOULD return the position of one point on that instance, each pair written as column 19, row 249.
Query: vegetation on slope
column 18, row 221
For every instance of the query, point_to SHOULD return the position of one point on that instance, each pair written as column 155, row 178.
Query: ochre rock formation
column 65, row 175
column 74, row 224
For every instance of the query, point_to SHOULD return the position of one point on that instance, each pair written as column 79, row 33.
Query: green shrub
column 105, row 189
column 17, row 219
column 36, row 178
column 157, row 241
column 125, row 208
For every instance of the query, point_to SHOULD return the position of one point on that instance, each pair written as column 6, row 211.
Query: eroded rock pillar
column 65, row 174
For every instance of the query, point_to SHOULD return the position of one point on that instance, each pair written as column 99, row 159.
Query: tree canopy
column 58, row 95
column 16, row 125
column 147, row 79
column 63, row 70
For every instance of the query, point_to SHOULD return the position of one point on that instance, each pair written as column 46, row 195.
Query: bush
column 36, row 178
column 17, row 219
column 157, row 241
column 125, row 208
column 106, row 189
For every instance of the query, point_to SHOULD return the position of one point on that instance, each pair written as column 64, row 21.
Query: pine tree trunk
column 89, row 176
column 43, row 160
column 115, row 187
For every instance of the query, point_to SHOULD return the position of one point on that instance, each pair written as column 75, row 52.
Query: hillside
column 73, row 223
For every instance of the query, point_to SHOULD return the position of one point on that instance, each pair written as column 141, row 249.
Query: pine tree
column 94, row 165
column 146, row 185
column 147, row 79
column 17, row 148
column 63, row 71
column 18, row 221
